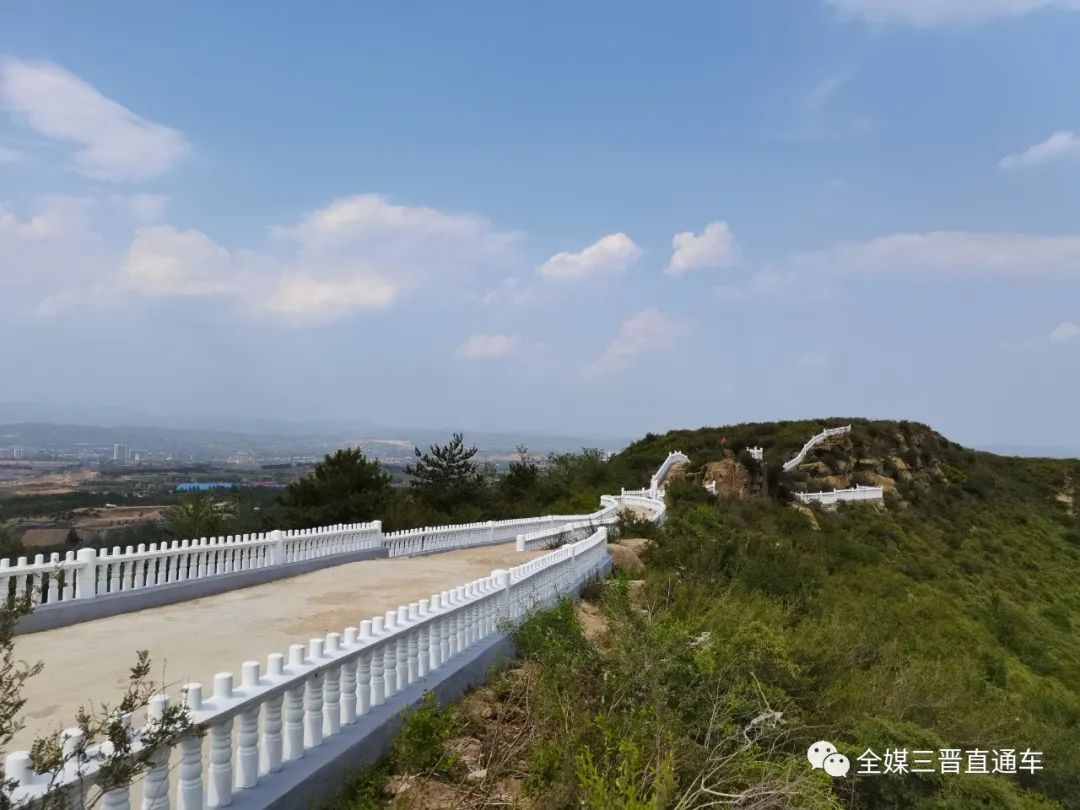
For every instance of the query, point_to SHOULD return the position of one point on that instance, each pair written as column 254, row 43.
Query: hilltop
column 944, row 618
column 911, row 461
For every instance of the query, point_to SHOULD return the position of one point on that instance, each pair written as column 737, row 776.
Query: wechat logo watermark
column 823, row 754
column 1009, row 761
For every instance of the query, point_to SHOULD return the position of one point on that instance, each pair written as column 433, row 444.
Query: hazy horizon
column 119, row 418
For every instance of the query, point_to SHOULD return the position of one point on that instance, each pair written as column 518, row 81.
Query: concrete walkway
column 191, row 641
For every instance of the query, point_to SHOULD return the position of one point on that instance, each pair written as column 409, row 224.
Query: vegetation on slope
column 947, row 619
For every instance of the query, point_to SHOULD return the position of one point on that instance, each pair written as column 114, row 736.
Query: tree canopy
column 446, row 478
column 345, row 487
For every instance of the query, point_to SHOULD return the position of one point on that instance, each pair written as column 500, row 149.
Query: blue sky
column 600, row 218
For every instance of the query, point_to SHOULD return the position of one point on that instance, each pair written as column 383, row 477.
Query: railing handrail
column 813, row 441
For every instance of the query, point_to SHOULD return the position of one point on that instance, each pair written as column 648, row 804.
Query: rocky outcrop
column 731, row 478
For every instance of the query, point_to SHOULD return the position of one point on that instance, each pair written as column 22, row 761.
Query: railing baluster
column 219, row 785
column 313, row 700
column 294, row 709
column 348, row 679
column 363, row 670
column 247, row 732
column 332, row 689
column 402, row 648
column 156, row 782
column 378, row 677
column 270, row 754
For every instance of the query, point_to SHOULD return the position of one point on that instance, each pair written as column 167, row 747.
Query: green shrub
column 362, row 789
column 420, row 744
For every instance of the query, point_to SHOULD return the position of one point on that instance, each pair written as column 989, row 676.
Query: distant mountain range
column 1034, row 451
column 107, row 416
column 33, row 423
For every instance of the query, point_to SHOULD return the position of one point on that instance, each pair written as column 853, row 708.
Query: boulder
column 624, row 559
column 638, row 545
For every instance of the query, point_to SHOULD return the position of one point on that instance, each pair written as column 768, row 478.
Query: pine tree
column 345, row 487
column 446, row 478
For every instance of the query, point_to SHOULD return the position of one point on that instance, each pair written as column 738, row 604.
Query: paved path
column 196, row 639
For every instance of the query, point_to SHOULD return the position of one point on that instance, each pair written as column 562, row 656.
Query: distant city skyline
column 596, row 220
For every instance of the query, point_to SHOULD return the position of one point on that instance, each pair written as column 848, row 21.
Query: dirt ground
column 41, row 478
column 191, row 641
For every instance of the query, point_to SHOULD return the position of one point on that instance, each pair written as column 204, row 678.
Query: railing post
column 86, row 579
column 277, row 549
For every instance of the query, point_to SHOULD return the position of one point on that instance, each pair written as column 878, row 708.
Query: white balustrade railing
column 798, row 458
column 89, row 572
column 673, row 458
column 859, row 493
column 273, row 715
column 560, row 534
column 654, row 505
column 429, row 539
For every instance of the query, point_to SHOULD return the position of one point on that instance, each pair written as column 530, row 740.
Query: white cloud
column 483, row 346
column 54, row 216
column 369, row 217
column 114, row 143
column 52, row 249
column 646, row 332
column 948, row 252
column 1065, row 331
column 164, row 261
column 715, row 247
column 303, row 297
column 931, row 13
column 358, row 253
column 11, row 156
column 88, row 251
column 1059, row 146
column 613, row 253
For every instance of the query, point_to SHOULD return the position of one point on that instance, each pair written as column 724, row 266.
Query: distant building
column 202, row 486
column 756, row 453
column 18, row 453
column 120, row 452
